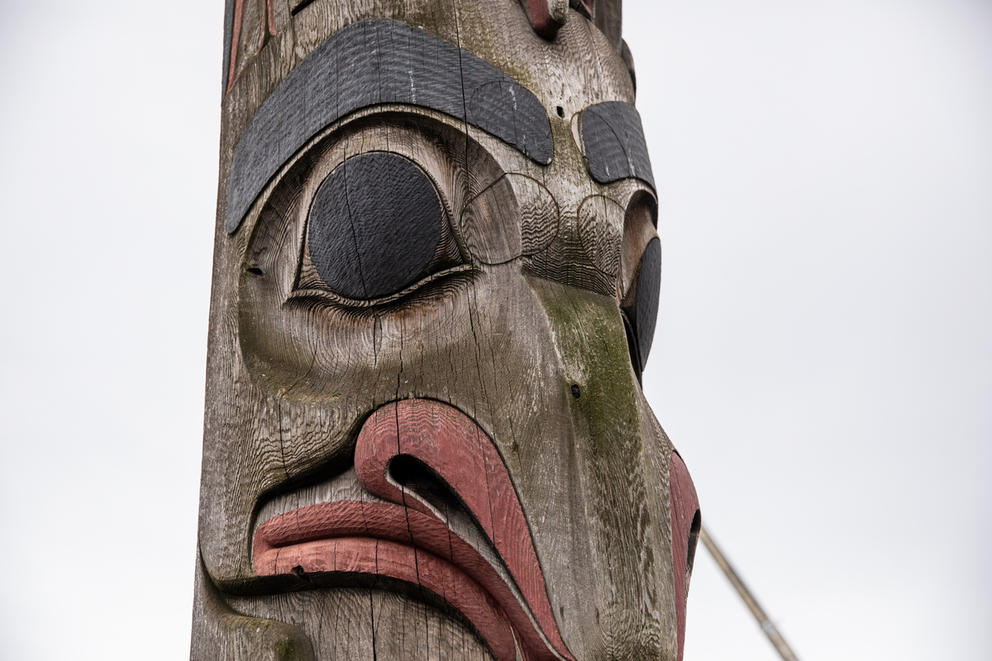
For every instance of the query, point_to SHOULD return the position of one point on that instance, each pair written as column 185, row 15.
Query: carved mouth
column 500, row 590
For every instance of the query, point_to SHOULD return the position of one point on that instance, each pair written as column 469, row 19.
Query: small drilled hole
column 254, row 270
column 560, row 111
column 420, row 478
column 575, row 391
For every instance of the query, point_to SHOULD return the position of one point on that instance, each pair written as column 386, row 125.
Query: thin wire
column 764, row 621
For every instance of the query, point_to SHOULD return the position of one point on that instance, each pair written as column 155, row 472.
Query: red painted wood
column 239, row 10
column 540, row 18
column 298, row 537
column 366, row 555
column 683, row 507
column 463, row 455
column 270, row 16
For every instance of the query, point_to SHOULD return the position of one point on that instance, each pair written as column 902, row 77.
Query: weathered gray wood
column 359, row 623
column 222, row 633
column 515, row 322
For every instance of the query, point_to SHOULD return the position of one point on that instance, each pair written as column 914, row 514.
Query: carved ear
column 546, row 16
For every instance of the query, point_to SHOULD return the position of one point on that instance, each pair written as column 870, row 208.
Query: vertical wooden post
column 435, row 286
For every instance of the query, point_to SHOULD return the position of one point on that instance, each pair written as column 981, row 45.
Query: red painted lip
column 406, row 540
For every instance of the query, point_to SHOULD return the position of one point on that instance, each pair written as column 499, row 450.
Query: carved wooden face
column 435, row 290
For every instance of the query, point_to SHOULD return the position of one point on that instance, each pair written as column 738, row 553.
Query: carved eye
column 375, row 226
column 641, row 279
column 645, row 305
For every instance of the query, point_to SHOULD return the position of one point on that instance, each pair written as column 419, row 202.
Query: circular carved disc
column 374, row 225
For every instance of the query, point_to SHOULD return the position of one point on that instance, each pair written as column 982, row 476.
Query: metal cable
column 764, row 621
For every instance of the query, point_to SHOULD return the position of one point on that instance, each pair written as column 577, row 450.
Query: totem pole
column 435, row 285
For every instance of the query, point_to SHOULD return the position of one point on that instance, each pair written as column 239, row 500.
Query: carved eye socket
column 375, row 226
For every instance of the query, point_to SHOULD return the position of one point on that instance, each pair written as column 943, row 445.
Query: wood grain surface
column 409, row 212
column 374, row 62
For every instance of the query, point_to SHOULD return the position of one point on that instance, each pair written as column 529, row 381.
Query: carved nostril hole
column 693, row 538
column 254, row 270
column 418, row 477
column 560, row 111
column 576, row 392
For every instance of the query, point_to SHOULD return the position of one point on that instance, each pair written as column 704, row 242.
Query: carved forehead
column 374, row 62
column 507, row 92
column 496, row 30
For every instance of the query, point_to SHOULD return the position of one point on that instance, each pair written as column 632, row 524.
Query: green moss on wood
column 590, row 337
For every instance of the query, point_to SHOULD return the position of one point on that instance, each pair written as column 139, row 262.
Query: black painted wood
column 613, row 139
column 299, row 5
column 374, row 225
column 373, row 62
column 646, row 302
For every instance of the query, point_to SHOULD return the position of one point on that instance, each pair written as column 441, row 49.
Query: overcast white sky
column 823, row 358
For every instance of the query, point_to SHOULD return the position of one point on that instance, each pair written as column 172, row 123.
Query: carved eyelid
column 391, row 115
column 536, row 218
column 328, row 296
column 528, row 223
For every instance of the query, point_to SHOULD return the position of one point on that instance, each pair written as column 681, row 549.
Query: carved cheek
column 685, row 529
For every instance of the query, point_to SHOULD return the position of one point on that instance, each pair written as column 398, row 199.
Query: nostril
column 415, row 475
column 254, row 270
column 693, row 538
column 560, row 111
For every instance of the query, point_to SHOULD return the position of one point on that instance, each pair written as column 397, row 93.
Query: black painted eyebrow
column 613, row 142
column 373, row 62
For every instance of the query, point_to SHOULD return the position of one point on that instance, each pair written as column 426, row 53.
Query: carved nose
column 463, row 456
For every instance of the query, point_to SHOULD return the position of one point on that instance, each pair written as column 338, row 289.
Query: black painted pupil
column 374, row 225
column 646, row 305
